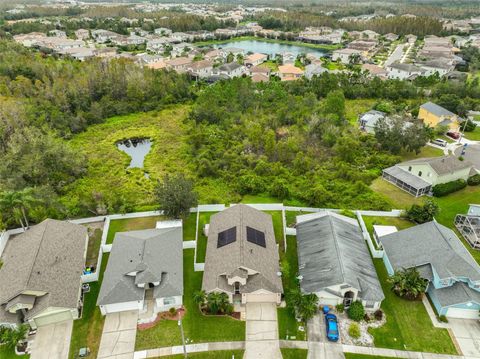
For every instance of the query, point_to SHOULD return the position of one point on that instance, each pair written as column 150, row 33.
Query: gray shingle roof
column 441, row 165
column 371, row 117
column 434, row 244
column 49, row 257
column 155, row 254
column 231, row 66
column 407, row 177
column 436, row 109
column 332, row 251
column 458, row 293
column 227, row 260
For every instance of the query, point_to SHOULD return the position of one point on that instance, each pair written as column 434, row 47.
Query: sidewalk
column 399, row 353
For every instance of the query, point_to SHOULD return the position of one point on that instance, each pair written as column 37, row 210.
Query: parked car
column 454, row 135
column 331, row 324
column 440, row 142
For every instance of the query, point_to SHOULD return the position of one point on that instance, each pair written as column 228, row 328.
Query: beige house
column 289, row 72
column 418, row 176
column 255, row 59
column 434, row 115
column 40, row 280
column 242, row 256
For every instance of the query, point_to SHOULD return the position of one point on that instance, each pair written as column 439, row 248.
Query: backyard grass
column 87, row 331
column 131, row 224
column 397, row 198
column 189, row 226
column 278, row 228
column 220, row 354
column 291, row 217
column 294, row 353
column 107, row 174
column 198, row 328
column 94, row 243
column 408, row 325
column 400, row 223
column 426, row 151
column 10, row 354
column 203, row 219
column 356, row 107
column 474, row 135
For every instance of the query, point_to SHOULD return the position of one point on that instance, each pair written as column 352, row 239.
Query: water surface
column 137, row 149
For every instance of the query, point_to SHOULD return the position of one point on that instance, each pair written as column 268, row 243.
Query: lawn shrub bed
column 443, row 189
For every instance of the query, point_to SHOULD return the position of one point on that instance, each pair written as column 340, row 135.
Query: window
column 255, row 236
column 168, row 301
column 226, row 237
column 419, row 173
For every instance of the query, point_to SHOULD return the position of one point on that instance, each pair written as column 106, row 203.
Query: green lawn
column 397, row 198
column 10, row 354
column 221, row 354
column 130, row 224
column 87, row 331
column 202, row 239
column 189, row 227
column 287, row 324
column 356, row 107
column 400, row 223
column 94, row 243
column 363, row 356
column 426, row 151
column 107, row 172
column 474, row 135
column 198, row 327
column 278, row 228
column 291, row 217
column 408, row 325
column 294, row 353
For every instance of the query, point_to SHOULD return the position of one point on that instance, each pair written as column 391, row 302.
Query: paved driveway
column 318, row 345
column 467, row 334
column 262, row 331
column 52, row 341
column 118, row 337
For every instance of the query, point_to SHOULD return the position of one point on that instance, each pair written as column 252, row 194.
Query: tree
column 304, row 305
column 407, row 283
column 199, row 297
column 175, row 195
column 11, row 337
column 335, row 104
column 18, row 203
column 423, row 213
column 217, row 302
column 395, row 134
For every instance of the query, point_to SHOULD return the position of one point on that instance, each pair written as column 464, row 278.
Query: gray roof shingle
column 227, row 260
column 407, row 177
column 441, row 165
column 155, row 254
column 332, row 251
column 436, row 109
column 458, row 293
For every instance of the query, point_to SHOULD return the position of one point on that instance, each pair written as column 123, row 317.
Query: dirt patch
column 163, row 316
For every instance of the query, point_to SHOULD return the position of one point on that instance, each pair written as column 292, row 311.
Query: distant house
column 40, row 279
column 201, row 69
column 391, row 36
column 259, row 77
column 288, row 58
column 403, row 71
column 440, row 66
column 434, row 115
column 232, row 69
column 255, row 59
column 235, row 51
column 289, row 72
column 102, row 36
column 214, row 55
column 418, row 176
column 144, row 264
column 375, row 70
column 334, row 261
column 345, row 55
column 82, row 34
column 242, row 256
column 469, row 225
column 179, row 64
column 368, row 120
column 314, row 69
column 441, row 258
column 163, row 31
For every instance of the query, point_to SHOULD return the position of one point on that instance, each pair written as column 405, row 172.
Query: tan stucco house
column 434, row 115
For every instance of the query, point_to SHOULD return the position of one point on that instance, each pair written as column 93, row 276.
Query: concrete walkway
column 118, row 337
column 318, row 345
column 399, row 353
column 191, row 348
column 52, row 341
column 262, row 331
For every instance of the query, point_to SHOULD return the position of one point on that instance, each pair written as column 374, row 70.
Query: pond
column 136, row 148
column 270, row 48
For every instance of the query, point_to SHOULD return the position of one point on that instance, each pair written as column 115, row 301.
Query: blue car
column 331, row 324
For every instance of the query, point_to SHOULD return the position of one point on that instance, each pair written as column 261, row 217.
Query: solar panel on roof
column 255, row 236
column 226, row 237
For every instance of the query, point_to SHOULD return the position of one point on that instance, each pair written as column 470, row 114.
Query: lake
column 137, row 149
column 270, row 48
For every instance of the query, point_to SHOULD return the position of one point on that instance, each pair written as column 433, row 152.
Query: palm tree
column 18, row 203
column 308, row 306
column 217, row 302
column 11, row 337
column 199, row 297
column 407, row 283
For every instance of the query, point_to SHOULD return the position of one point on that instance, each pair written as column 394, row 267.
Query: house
column 144, row 264
column 314, row 69
column 40, row 279
column 469, row 225
column 260, row 77
column 441, row 66
column 369, row 34
column 179, row 64
column 235, row 51
column 402, row 71
column 289, row 72
column 162, row 31
column 181, row 37
column 418, row 176
column 375, row 70
column 345, row 55
column 58, row 33
column 434, row 115
column 391, row 36
column 79, row 53
column 334, row 261
column 288, row 58
column 180, row 49
column 255, row 59
column 82, row 34
column 231, row 69
column 242, row 256
column 368, row 120
column 103, row 36
column 441, row 258
column 214, row 55
column 201, row 69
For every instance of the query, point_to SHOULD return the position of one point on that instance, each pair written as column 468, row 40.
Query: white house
column 345, row 55
column 232, row 69
column 144, row 265
column 401, row 71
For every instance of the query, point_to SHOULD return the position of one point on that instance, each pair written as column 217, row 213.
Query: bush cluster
column 443, row 189
column 356, row 311
column 474, row 180
column 354, row 330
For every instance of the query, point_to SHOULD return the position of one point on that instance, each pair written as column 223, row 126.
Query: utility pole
column 183, row 338
column 462, row 132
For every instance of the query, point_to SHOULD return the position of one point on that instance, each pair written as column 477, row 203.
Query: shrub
column 446, row 188
column 356, row 311
column 340, row 308
column 173, row 311
column 422, row 214
column 474, row 180
column 354, row 330
column 367, row 317
column 378, row 314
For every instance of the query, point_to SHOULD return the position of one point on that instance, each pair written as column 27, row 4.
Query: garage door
column 261, row 298
column 53, row 318
column 328, row 301
column 462, row 313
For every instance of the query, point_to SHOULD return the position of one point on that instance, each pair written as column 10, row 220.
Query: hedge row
column 474, row 180
column 446, row 188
